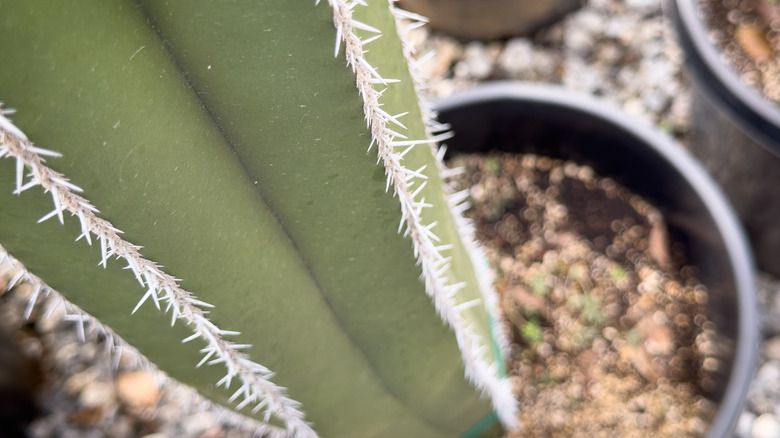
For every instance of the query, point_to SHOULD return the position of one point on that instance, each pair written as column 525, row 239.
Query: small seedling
column 532, row 333
column 540, row 285
column 590, row 307
column 633, row 337
column 492, row 165
column 617, row 273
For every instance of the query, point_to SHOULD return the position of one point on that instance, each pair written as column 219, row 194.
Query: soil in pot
column 610, row 328
column 748, row 33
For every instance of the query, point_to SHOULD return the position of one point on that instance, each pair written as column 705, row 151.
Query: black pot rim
column 729, row 227
column 756, row 116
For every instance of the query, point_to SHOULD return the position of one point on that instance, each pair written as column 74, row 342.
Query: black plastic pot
column 552, row 122
column 735, row 132
column 490, row 19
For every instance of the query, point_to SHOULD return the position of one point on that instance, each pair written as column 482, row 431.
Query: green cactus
column 229, row 145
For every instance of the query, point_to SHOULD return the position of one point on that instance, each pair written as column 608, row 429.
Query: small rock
column 121, row 427
column 623, row 29
column 588, row 20
column 772, row 348
column 138, row 389
column 644, row 6
column 659, row 240
column 655, row 101
column 87, row 417
column 753, row 41
column 447, row 51
column 96, row 394
column 546, row 64
column 765, row 389
column 640, row 360
column 744, row 425
column 50, row 321
column 579, row 41
column 658, row 337
column 477, row 63
column 766, row 426
column 769, row 304
column 518, row 56
column 199, row 423
column 769, row 372
column 580, row 76
column 77, row 382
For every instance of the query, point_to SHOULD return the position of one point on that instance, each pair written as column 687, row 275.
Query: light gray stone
column 644, row 6
column 97, row 394
column 196, row 424
column 518, row 56
column 744, row 427
column 766, row 426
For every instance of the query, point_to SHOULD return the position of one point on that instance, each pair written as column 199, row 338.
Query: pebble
column 197, row 424
column 744, row 427
column 96, row 394
column 137, row 389
column 772, row 348
column 517, row 56
column 766, row 426
column 644, row 6
column 765, row 391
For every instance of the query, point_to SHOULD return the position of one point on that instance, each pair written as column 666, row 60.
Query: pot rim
column 730, row 229
column 738, row 99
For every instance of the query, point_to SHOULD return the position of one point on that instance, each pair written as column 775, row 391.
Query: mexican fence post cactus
column 211, row 164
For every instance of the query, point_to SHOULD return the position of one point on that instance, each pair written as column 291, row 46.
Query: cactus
column 264, row 257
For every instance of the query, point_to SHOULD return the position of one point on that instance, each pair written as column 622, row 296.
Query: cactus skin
column 230, row 144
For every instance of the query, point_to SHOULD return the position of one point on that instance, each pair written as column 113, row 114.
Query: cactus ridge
column 256, row 387
column 499, row 389
column 458, row 202
column 428, row 251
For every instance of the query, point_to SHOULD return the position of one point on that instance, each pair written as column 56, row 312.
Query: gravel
column 622, row 51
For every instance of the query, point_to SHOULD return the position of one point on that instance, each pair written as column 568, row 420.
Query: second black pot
column 552, row 122
column 735, row 132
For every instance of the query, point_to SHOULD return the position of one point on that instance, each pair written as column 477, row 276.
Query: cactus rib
column 426, row 250
column 501, row 392
column 503, row 400
column 256, row 387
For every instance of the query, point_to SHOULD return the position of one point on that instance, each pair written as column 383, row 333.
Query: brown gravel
column 611, row 336
column 748, row 32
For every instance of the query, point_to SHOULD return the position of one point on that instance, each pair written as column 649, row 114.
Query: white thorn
column 31, row 301
column 42, row 151
column 363, row 26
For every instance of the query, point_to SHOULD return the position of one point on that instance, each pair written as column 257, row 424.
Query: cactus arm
column 210, row 144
